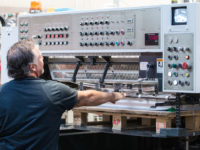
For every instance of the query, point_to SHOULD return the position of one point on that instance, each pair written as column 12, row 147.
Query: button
column 91, row 23
column 169, row 65
column 102, row 43
column 122, row 32
column 107, row 22
column 175, row 82
column 175, row 40
column 117, row 32
column 170, row 57
column 101, row 33
column 187, row 49
column 176, row 57
column 169, row 74
column 117, row 43
column 96, row 22
column 184, row 65
column 181, row 83
column 174, row 65
column 180, row 49
column 187, row 74
column 122, row 43
column 187, row 57
column 91, row 44
column 175, row 74
column 169, row 82
column 66, row 28
column 170, row 49
column 91, row 33
column 129, row 43
column 187, row 83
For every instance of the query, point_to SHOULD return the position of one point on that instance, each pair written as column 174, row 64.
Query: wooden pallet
column 136, row 119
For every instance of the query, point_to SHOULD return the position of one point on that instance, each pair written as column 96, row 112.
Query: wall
column 83, row 4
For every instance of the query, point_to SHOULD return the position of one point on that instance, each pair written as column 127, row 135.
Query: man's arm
column 93, row 98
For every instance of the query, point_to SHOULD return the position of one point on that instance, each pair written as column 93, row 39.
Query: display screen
column 151, row 39
column 179, row 15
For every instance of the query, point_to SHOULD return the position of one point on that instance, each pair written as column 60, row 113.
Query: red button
column 52, row 36
column 61, row 36
column 56, row 36
column 184, row 65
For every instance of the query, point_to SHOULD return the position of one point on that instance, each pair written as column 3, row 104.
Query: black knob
column 112, row 43
column 86, row 23
column 82, row 24
column 57, row 29
column 169, row 82
column 96, row 33
column 107, row 33
column 66, row 28
column 187, row 83
column 107, row 22
column 169, row 49
column 86, row 44
column 86, row 33
column 91, row 23
column 61, row 29
column 81, row 44
column 81, row 34
column 169, row 65
column 101, row 33
column 101, row 43
column 117, row 32
column 129, row 43
column 91, row 33
column 101, row 22
column 112, row 32
column 170, row 57
column 181, row 83
column 96, row 44
column 176, row 57
column 175, row 49
column 107, row 43
column 91, row 44
column 96, row 22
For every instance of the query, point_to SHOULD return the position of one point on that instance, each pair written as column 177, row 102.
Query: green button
column 175, row 74
column 174, row 65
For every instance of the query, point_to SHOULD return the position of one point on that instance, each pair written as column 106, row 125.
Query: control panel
column 181, row 26
column 179, row 65
column 103, row 31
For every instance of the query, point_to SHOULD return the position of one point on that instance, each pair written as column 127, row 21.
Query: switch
column 176, row 57
column 170, row 49
column 187, row 83
column 169, row 82
column 129, row 43
column 66, row 28
column 181, row 83
column 170, row 57
column 101, row 33
column 102, row 43
column 169, row 66
column 107, row 22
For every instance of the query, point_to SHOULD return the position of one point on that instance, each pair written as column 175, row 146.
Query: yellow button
column 187, row 74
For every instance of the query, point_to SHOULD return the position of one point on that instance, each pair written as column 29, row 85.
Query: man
column 31, row 108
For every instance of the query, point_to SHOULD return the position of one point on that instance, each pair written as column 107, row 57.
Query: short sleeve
column 61, row 95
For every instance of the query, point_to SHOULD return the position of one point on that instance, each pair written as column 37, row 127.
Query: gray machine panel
column 179, row 62
column 118, row 30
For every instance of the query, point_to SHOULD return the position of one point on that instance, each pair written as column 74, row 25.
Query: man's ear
column 32, row 67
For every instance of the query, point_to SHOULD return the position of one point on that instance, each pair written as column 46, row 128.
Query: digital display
column 151, row 39
column 179, row 15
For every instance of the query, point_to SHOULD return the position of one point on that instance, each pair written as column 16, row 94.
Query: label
column 143, row 66
column 159, row 65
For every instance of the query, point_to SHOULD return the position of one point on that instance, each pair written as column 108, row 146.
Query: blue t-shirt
column 30, row 113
